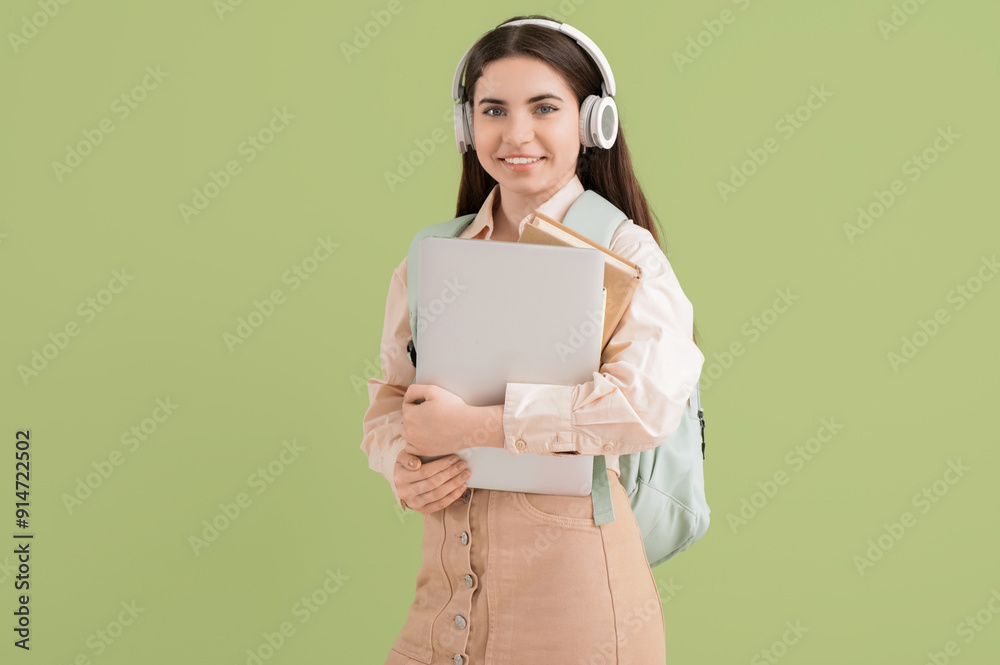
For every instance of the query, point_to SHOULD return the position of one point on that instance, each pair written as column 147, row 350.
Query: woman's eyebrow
column 537, row 98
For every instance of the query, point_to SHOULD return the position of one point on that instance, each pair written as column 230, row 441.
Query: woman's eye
column 497, row 108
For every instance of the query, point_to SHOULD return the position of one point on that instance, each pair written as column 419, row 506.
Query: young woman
column 510, row 577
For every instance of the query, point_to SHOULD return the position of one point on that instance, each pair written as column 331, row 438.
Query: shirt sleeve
column 648, row 371
column 383, row 422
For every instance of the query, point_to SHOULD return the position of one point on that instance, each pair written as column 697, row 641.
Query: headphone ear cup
column 463, row 129
column 468, row 124
column 598, row 122
column 585, row 122
column 605, row 122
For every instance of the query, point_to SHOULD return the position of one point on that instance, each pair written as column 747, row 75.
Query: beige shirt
column 648, row 369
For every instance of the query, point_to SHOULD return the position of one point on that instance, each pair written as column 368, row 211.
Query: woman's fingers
column 409, row 461
column 431, row 486
column 446, row 493
column 445, row 502
column 450, row 480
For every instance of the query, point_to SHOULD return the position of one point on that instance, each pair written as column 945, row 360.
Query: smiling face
column 524, row 107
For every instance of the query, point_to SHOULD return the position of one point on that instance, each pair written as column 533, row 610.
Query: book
column 621, row 277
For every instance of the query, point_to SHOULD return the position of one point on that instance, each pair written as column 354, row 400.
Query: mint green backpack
column 665, row 485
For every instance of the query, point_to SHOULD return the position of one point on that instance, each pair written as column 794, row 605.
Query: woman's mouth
column 522, row 163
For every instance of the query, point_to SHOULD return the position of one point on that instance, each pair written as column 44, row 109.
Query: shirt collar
column 555, row 208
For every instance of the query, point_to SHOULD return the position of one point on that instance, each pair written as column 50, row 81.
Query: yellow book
column 621, row 277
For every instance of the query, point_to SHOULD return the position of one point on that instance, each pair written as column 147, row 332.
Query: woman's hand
column 429, row 487
column 436, row 421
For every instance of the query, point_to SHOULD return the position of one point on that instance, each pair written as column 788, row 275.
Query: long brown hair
column 606, row 171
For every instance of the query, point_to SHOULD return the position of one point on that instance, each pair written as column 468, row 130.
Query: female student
column 511, row 577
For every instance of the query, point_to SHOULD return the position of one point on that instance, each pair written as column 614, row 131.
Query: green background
column 300, row 376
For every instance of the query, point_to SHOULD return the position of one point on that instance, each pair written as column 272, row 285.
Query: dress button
column 465, row 538
column 466, row 495
column 521, row 444
column 469, row 582
column 609, row 446
column 458, row 659
column 460, row 621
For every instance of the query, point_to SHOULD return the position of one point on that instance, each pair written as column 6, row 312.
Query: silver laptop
column 489, row 313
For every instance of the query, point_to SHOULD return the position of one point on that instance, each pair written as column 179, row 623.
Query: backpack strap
column 450, row 229
column 597, row 218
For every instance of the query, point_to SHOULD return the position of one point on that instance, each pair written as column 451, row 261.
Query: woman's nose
column 519, row 129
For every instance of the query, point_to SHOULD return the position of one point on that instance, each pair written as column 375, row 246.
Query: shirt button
column 465, row 538
column 458, row 659
column 466, row 495
column 609, row 446
column 460, row 621
column 469, row 582
column 521, row 444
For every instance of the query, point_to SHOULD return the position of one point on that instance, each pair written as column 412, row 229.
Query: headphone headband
column 608, row 86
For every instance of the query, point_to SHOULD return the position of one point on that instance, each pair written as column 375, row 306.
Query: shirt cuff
column 537, row 419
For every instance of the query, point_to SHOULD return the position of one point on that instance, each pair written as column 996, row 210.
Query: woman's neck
column 503, row 227
column 510, row 208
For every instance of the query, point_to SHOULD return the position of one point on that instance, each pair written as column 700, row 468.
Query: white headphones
column 598, row 115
